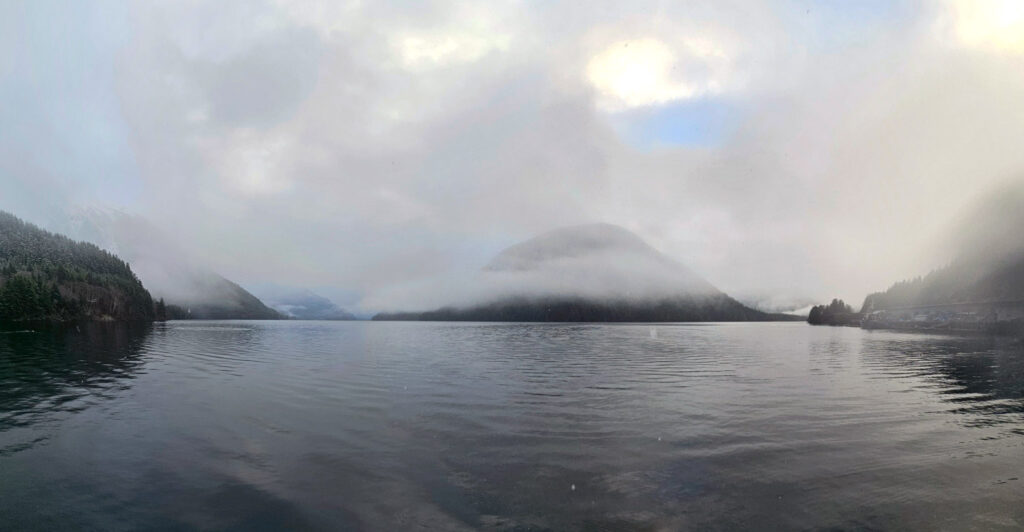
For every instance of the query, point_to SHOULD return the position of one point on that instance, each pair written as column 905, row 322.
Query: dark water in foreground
column 415, row 426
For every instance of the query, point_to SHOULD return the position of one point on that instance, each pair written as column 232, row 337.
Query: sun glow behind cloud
column 452, row 127
column 642, row 72
column 991, row 25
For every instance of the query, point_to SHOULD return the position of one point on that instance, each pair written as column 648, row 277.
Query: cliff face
column 49, row 277
column 596, row 273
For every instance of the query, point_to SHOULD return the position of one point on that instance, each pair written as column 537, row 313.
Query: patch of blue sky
column 704, row 122
column 824, row 26
column 832, row 25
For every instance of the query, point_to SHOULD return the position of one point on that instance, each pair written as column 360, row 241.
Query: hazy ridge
column 597, row 272
column 987, row 266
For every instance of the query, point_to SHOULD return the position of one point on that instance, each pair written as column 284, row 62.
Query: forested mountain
column 597, row 273
column 963, row 281
column 191, row 289
column 988, row 263
column 45, row 276
column 217, row 298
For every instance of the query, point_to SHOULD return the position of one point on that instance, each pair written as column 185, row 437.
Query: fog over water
column 784, row 151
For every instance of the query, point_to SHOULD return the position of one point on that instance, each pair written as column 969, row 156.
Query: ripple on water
column 303, row 425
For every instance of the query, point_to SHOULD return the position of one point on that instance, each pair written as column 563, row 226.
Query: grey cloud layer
column 383, row 147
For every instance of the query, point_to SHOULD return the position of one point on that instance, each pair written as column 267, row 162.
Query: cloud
column 647, row 72
column 992, row 25
column 369, row 146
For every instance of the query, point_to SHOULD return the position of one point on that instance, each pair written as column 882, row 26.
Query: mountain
column 597, row 272
column 303, row 305
column 794, row 305
column 209, row 296
column 49, row 277
column 988, row 263
column 190, row 289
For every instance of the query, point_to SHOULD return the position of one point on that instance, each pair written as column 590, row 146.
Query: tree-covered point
column 835, row 313
column 49, row 277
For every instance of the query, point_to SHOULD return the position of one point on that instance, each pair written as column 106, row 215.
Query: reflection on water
column 981, row 378
column 393, row 426
column 50, row 372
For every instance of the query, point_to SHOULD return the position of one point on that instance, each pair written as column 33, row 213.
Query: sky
column 782, row 150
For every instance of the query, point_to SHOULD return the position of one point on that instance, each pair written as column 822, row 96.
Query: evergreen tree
column 44, row 276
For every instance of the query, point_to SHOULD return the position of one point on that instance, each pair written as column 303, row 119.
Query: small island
column 838, row 312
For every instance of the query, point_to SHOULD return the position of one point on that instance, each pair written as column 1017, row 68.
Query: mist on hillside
column 986, row 264
column 782, row 153
column 165, row 267
column 595, row 261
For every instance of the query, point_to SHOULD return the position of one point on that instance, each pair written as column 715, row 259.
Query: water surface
column 418, row 426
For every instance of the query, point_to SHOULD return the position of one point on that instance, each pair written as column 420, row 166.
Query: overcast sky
column 780, row 149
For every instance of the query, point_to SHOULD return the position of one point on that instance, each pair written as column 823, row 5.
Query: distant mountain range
column 189, row 289
column 49, row 277
column 598, row 272
column 303, row 304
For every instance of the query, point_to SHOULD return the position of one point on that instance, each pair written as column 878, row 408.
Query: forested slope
column 49, row 277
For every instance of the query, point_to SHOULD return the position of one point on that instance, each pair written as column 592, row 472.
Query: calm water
column 416, row 426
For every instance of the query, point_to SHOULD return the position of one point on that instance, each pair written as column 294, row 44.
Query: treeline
column 987, row 265
column 835, row 313
column 966, row 280
column 710, row 308
column 45, row 276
